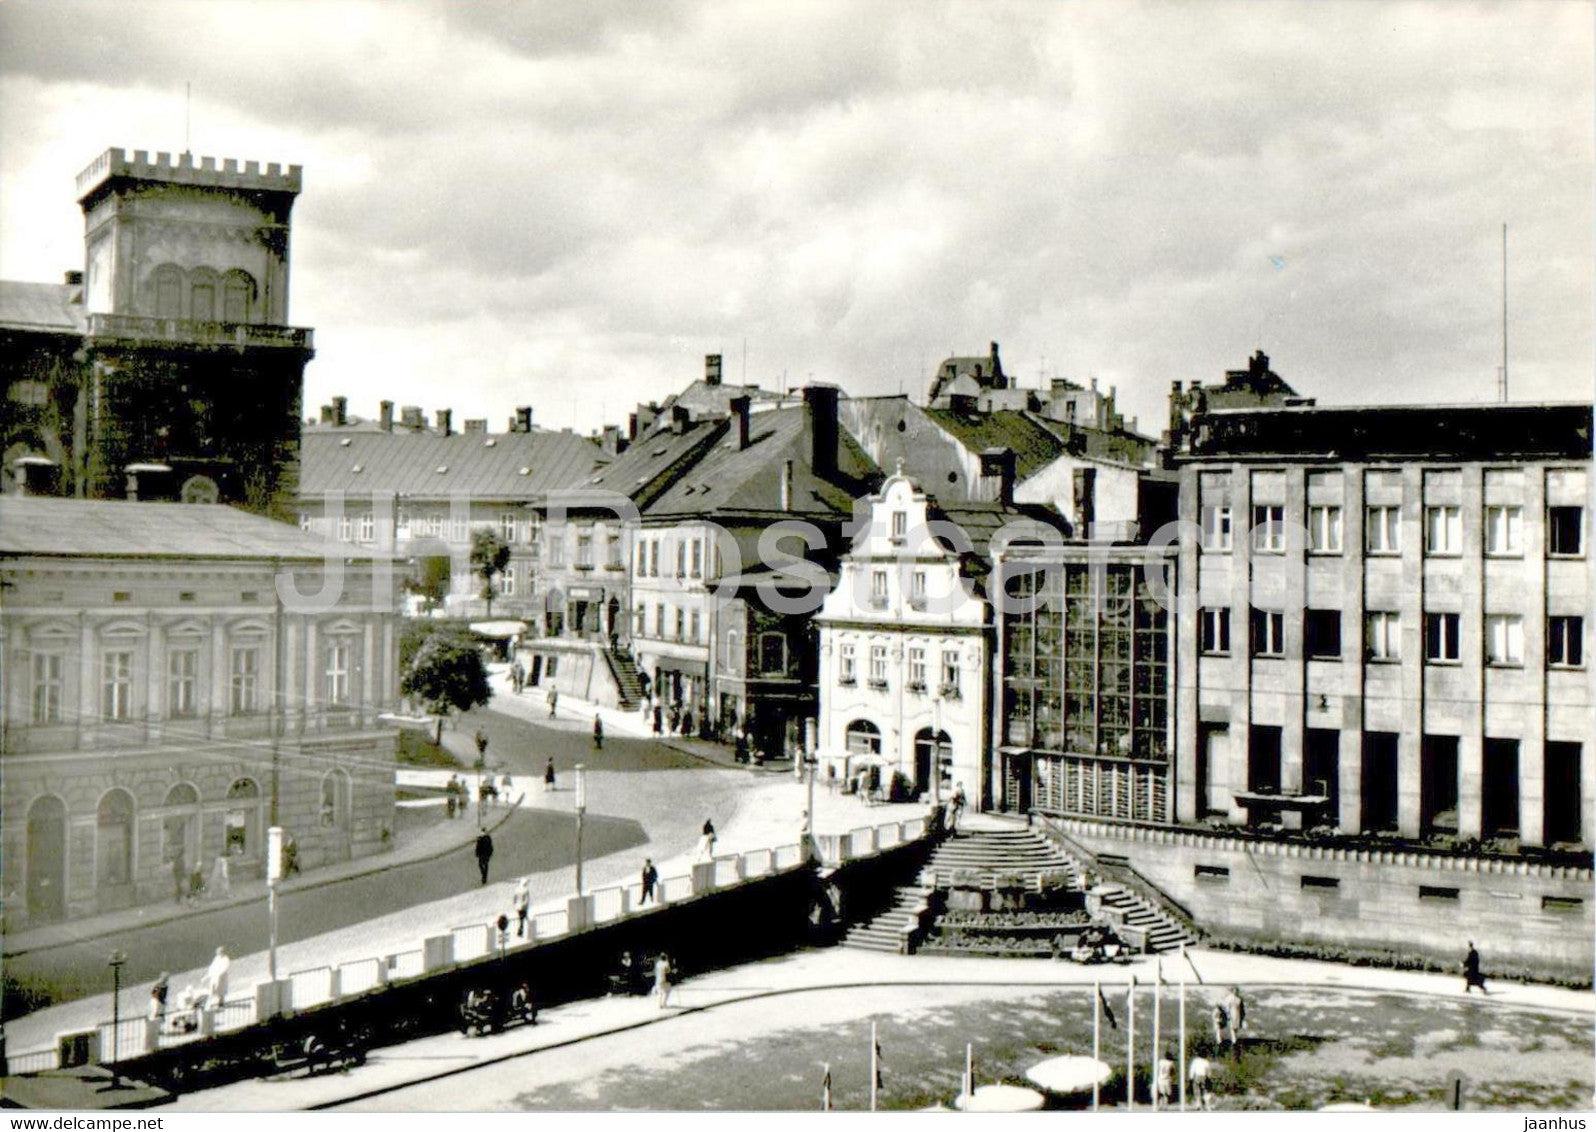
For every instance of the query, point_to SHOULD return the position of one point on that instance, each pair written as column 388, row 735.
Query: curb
column 245, row 901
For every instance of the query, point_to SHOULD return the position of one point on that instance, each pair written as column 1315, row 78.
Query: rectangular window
column 917, row 669
column 642, row 559
column 917, row 586
column 695, row 627
column 878, row 666
column 659, row 621
column 1565, row 530
column 1443, row 531
column 346, row 528
column 614, row 559
column 1504, row 639
column 584, row 551
column 1269, row 529
column 878, row 589
column 368, row 527
column 1211, row 872
column 556, row 551
column 846, row 672
column 681, row 560
column 681, row 624
column 1321, row 632
column 1441, row 638
column 1268, row 633
column 639, row 616
column 182, row 683
column 337, row 685
column 504, row 581
column 1324, row 530
column 1562, row 904
column 48, row 670
column 950, row 674
column 1433, row 892
column 507, row 526
column 245, row 680
column 1383, row 530
column 1216, row 528
column 698, row 558
column 1504, row 527
column 653, row 558
column 459, row 528
column 1565, row 642
column 1382, row 635
column 1321, row 884
column 1214, row 626
column 900, row 525
column 117, row 686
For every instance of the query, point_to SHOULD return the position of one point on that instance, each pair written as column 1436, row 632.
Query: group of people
column 633, row 975
column 185, row 1016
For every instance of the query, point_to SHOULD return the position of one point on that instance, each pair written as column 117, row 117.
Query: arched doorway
column 113, row 849
column 47, row 823
column 932, row 749
column 863, row 738
column 336, row 813
column 180, row 828
column 242, row 835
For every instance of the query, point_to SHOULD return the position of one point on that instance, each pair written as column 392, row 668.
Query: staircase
column 898, row 928
column 629, row 686
column 1164, row 933
column 990, row 852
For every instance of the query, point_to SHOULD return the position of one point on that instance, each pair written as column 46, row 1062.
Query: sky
column 568, row 204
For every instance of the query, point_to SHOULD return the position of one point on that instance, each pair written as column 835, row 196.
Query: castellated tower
column 192, row 375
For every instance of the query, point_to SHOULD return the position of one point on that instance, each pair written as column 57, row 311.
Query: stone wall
column 1524, row 917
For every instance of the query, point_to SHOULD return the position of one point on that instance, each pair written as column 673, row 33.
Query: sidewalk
column 863, row 974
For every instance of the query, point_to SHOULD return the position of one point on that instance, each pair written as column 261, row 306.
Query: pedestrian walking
column 449, row 802
column 649, row 879
column 290, row 855
column 518, row 677
column 957, row 803
column 1164, row 1080
column 521, row 901
column 158, row 994
column 1471, row 971
column 1221, row 1025
column 505, row 787
column 687, row 724
column 179, row 878
column 216, row 978
column 706, row 842
column 598, row 733
column 554, row 701
column 659, row 720
column 1236, row 1010
column 548, row 776
column 1198, row 1072
column 662, row 979
column 222, row 878
column 484, row 852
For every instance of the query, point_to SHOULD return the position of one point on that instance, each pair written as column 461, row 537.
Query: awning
column 498, row 630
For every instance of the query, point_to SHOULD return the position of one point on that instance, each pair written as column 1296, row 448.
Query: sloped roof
column 42, row 306
column 114, row 528
column 636, row 473
column 726, row 479
column 1034, row 446
column 505, row 465
column 702, row 399
column 982, row 522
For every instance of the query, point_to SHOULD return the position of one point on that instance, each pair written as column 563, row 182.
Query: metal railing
column 310, row 987
column 359, row 976
column 34, row 1061
column 473, row 941
column 406, row 964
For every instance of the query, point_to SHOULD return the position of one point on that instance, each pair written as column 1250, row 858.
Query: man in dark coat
column 598, row 733
column 1471, row 971
column 484, row 852
column 650, row 879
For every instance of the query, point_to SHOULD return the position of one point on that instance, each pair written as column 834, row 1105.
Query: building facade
column 166, row 368
column 1383, row 621
column 177, row 679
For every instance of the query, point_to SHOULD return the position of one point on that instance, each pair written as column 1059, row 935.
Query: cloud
column 501, row 197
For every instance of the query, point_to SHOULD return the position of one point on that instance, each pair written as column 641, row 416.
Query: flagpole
column 1182, row 1062
column 873, row 1068
column 1130, row 1047
column 969, row 1069
column 1097, row 1055
column 1158, row 1011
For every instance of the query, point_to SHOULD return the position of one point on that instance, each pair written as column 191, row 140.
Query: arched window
column 932, row 749
column 168, row 291
column 243, row 818
column 863, row 738
column 335, row 799
column 238, row 297
column 773, row 653
column 180, row 827
column 202, row 297
column 113, row 839
column 46, row 860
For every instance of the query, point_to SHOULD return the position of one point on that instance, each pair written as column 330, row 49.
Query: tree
column 430, row 579
column 445, row 671
column 489, row 557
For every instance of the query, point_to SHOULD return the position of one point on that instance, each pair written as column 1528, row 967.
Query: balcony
column 917, row 687
column 879, row 684
column 949, row 691
column 189, row 332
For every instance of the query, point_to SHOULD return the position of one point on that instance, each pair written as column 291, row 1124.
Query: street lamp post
column 936, row 753
column 482, row 762
column 116, row 961
column 581, row 808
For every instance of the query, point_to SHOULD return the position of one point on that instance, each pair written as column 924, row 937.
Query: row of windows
column 613, row 558
column 879, row 591
column 848, row 673
column 1382, row 636
column 1382, row 530
column 211, row 297
column 689, row 558
column 670, row 624
column 119, row 677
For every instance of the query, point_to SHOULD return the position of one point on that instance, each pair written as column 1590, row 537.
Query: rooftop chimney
column 786, row 485
column 680, row 418
column 340, row 411
column 523, row 419
column 410, row 417
column 739, row 408
column 997, row 474
column 326, row 414
column 820, row 402
column 387, row 416
column 73, row 279
column 446, row 421
column 711, row 369
column 475, row 424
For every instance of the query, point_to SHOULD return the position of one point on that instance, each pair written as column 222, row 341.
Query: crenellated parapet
column 185, row 169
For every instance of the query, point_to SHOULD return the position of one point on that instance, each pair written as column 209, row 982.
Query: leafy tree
column 445, row 671
column 430, row 579
column 489, row 557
